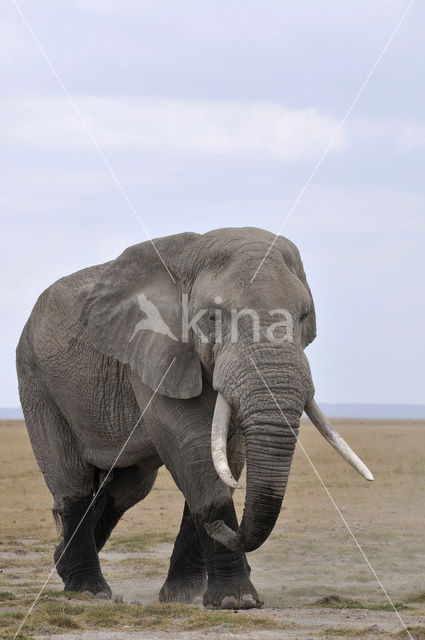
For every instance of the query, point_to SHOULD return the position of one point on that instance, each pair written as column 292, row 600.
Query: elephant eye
column 303, row 316
column 211, row 315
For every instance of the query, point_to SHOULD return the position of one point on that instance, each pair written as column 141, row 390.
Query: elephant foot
column 94, row 585
column 89, row 581
column 229, row 595
column 175, row 590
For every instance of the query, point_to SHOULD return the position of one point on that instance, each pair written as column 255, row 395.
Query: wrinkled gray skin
column 84, row 381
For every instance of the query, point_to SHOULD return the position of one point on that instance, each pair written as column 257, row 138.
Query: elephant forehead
column 240, row 234
column 237, row 246
column 232, row 288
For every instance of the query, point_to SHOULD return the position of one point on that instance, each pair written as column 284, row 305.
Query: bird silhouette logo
column 153, row 320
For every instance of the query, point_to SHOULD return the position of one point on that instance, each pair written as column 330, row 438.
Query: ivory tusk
column 220, row 427
column 320, row 421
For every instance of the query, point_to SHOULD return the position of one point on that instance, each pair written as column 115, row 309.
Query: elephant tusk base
column 220, row 427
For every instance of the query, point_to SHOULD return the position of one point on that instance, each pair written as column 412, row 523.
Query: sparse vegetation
column 418, row 597
column 6, row 595
column 352, row 633
column 417, row 633
column 309, row 558
column 140, row 542
column 339, row 602
column 59, row 615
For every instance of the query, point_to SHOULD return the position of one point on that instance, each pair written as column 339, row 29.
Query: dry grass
column 338, row 602
column 394, row 450
column 309, row 557
column 343, row 632
column 56, row 615
column 417, row 633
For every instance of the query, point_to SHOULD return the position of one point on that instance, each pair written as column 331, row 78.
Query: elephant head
column 233, row 333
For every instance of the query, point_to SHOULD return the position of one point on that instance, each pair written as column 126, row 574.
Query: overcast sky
column 214, row 114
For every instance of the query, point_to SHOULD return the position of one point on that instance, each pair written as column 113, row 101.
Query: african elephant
column 104, row 351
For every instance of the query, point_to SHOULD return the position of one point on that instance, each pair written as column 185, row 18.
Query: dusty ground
column 314, row 581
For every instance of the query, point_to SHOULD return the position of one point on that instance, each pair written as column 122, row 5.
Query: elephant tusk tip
column 364, row 471
column 320, row 421
column 228, row 479
column 233, row 484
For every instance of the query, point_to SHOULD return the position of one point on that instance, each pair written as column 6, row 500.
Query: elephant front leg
column 228, row 573
column 183, row 442
column 187, row 573
column 229, row 585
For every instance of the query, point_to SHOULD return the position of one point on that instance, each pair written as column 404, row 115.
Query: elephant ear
column 133, row 313
column 292, row 258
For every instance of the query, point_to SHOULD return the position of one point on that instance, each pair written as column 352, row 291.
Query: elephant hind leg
column 71, row 481
column 126, row 488
column 76, row 557
column 187, row 573
column 106, row 522
column 87, row 526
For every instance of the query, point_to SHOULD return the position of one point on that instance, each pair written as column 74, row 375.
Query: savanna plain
column 313, row 579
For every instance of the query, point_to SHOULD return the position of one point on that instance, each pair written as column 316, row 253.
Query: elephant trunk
column 270, row 438
column 269, row 444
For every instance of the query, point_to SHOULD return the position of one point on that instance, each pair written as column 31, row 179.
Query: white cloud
column 358, row 211
column 411, row 135
column 178, row 126
column 193, row 127
column 405, row 135
column 15, row 46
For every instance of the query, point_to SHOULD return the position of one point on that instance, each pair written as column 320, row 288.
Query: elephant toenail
column 88, row 593
column 102, row 596
column 248, row 601
column 229, row 602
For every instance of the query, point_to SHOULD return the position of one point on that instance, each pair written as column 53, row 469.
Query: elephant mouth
column 218, row 530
